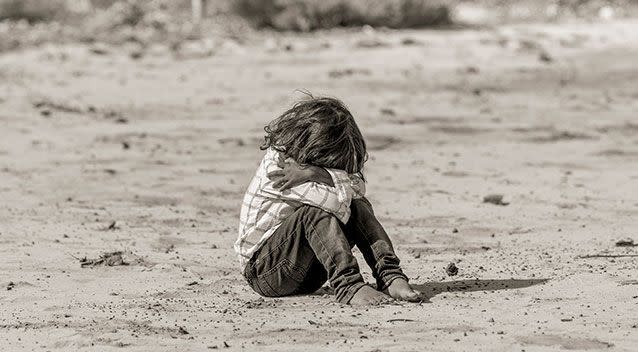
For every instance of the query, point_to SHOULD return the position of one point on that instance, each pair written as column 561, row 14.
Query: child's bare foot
column 368, row 296
column 401, row 290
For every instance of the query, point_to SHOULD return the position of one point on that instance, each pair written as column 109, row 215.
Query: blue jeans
column 312, row 246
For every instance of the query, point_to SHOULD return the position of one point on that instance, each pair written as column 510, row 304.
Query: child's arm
column 318, row 174
column 299, row 184
column 355, row 183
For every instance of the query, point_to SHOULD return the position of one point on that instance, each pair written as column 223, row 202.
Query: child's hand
column 291, row 174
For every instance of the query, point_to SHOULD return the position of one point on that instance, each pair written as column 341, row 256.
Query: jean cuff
column 384, row 283
column 347, row 293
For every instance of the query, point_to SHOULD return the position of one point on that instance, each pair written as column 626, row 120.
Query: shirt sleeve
column 335, row 200
column 351, row 184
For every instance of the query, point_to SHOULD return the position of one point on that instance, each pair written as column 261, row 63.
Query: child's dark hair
column 320, row 132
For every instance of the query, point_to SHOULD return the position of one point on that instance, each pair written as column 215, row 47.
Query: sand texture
column 102, row 151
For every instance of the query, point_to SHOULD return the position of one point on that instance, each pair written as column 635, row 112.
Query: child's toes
column 414, row 296
column 410, row 296
column 386, row 301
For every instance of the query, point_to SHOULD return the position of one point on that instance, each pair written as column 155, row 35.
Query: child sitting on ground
column 305, row 210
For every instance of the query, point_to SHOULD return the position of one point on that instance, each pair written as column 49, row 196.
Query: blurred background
column 31, row 22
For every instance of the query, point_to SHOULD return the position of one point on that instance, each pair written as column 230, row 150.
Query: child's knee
column 314, row 214
column 309, row 210
column 360, row 205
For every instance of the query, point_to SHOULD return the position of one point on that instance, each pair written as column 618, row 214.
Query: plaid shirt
column 264, row 208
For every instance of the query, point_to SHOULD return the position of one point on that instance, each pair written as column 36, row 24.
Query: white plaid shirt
column 264, row 208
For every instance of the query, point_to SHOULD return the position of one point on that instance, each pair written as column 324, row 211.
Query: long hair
column 320, row 132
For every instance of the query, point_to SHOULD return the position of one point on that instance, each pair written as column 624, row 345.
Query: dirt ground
column 103, row 152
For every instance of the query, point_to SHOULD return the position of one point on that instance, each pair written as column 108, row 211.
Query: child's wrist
column 313, row 172
column 321, row 175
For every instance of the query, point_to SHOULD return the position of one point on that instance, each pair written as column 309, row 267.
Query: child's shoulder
column 269, row 161
column 272, row 154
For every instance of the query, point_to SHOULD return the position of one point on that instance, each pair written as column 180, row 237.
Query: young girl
column 305, row 209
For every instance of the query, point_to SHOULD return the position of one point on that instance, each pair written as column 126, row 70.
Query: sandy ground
column 164, row 147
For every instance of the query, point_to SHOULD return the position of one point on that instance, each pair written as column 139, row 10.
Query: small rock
column 472, row 70
column 626, row 243
column 545, row 57
column 136, row 54
column 410, row 41
column 99, row 49
column 387, row 112
column 112, row 226
column 496, row 199
column 451, row 269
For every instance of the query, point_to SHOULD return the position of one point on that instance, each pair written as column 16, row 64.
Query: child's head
column 320, row 132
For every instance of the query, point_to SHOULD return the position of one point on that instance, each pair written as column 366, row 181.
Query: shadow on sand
column 431, row 289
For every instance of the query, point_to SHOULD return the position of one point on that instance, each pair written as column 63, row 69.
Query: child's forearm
column 354, row 183
column 320, row 175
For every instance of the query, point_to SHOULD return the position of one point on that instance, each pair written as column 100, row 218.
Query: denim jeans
column 312, row 246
